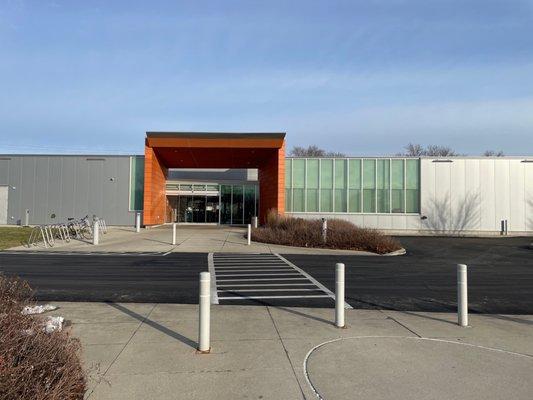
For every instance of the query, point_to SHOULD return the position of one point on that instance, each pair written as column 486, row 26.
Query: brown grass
column 308, row 233
column 34, row 364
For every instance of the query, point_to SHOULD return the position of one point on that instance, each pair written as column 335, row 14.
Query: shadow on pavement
column 154, row 325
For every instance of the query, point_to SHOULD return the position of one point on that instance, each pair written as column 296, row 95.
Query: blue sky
column 361, row 77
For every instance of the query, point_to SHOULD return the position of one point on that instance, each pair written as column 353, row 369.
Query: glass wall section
column 369, row 186
column 412, row 185
column 340, row 186
column 288, row 185
column 383, row 186
column 249, row 203
column 298, row 185
column 237, row 205
column 225, row 204
column 397, row 190
column 326, row 185
column 136, row 183
column 354, row 186
column 312, row 185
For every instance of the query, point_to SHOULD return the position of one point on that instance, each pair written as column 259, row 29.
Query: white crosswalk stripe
column 261, row 276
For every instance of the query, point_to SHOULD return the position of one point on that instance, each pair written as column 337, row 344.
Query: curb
column 399, row 252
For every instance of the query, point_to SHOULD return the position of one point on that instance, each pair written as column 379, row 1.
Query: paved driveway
column 500, row 276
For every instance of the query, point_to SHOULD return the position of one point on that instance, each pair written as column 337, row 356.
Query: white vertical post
column 27, row 217
column 205, row 311
column 339, row 295
column 324, row 229
column 96, row 232
column 174, row 234
column 249, row 235
column 462, row 295
column 254, row 222
column 137, row 222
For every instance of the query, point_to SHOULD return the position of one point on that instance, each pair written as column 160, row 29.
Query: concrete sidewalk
column 189, row 239
column 147, row 351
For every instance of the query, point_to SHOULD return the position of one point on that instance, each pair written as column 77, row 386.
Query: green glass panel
column 312, row 173
column 326, row 174
column 312, row 200
column 412, row 184
column 298, row 200
column 412, row 174
column 397, row 205
column 397, row 175
column 340, row 174
column 186, row 187
column 136, row 183
column 369, row 174
column 354, row 200
column 354, row 174
column 383, row 183
column 212, row 188
column 288, row 173
column 326, row 200
column 369, row 200
column 298, row 173
column 199, row 188
column 340, row 200
column 288, row 198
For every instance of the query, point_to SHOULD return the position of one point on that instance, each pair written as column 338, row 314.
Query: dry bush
column 308, row 233
column 34, row 364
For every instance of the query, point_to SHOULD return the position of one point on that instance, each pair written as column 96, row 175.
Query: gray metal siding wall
column 67, row 186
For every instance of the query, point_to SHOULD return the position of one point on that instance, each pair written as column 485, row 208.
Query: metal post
column 339, row 295
column 174, row 234
column 254, row 222
column 249, row 235
column 27, row 217
column 205, row 311
column 506, row 231
column 137, row 222
column 324, row 229
column 96, row 232
column 462, row 295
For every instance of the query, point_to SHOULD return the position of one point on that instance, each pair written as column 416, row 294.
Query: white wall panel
column 487, row 197
column 517, row 196
column 528, row 184
column 501, row 191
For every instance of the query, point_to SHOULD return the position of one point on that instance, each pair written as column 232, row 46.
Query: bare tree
column 492, row 153
column 417, row 150
column 313, row 151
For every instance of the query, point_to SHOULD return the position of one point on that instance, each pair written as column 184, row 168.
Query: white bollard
column 174, row 234
column 462, row 295
column 96, row 232
column 249, row 235
column 339, row 295
column 27, row 217
column 138, row 222
column 254, row 222
column 205, row 311
column 324, row 230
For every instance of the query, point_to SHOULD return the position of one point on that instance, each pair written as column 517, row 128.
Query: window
column 397, row 183
column 136, row 183
column 350, row 185
column 383, row 186
column 326, row 185
column 354, row 186
column 412, row 184
column 369, row 186
column 298, row 185
column 312, row 185
column 340, row 186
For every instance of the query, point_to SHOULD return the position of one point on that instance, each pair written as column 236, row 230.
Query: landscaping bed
column 341, row 235
column 34, row 363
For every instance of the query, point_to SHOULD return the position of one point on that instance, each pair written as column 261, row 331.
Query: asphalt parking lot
column 500, row 276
